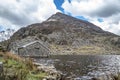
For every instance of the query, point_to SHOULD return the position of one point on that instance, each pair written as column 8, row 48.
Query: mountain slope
column 61, row 22
column 5, row 34
column 68, row 35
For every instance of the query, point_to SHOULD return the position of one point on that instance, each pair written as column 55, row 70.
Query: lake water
column 84, row 67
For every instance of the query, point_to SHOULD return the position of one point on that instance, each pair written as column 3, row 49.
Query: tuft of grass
column 36, row 76
column 17, row 68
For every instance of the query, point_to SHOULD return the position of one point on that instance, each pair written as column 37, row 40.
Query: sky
column 15, row 14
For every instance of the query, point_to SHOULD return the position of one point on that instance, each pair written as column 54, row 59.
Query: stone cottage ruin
column 30, row 47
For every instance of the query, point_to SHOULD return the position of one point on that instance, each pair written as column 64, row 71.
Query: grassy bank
column 82, row 50
column 17, row 68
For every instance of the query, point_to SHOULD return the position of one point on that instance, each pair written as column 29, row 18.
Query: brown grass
column 11, row 56
column 27, row 61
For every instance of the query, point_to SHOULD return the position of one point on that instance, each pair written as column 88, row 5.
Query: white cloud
column 19, row 13
column 45, row 9
column 82, row 6
column 7, row 24
column 111, row 24
column 108, row 10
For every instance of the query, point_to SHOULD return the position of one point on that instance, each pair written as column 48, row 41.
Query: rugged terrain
column 68, row 35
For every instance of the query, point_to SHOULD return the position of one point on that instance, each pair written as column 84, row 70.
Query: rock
column 53, row 73
column 50, row 78
column 1, row 67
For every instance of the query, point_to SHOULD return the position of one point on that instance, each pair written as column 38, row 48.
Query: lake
column 84, row 67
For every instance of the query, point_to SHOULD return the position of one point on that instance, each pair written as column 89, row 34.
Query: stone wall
column 34, row 50
column 30, row 46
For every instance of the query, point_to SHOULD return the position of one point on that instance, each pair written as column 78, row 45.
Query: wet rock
column 50, row 78
column 50, row 69
column 104, row 76
column 83, row 78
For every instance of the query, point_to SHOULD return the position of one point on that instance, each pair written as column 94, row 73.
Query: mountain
column 68, row 35
column 60, row 22
column 5, row 34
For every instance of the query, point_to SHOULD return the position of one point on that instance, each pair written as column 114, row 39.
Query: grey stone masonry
column 30, row 47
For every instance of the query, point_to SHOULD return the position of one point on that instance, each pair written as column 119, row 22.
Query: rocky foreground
column 13, row 67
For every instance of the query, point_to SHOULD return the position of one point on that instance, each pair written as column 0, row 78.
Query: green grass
column 37, row 76
column 19, row 70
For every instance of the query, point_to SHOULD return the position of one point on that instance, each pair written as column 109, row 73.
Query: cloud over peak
column 19, row 13
column 107, row 10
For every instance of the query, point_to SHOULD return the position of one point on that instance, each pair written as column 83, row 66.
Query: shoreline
column 54, row 74
column 51, row 70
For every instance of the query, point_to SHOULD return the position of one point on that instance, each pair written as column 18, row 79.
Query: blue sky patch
column 58, row 4
column 69, row 1
column 82, row 18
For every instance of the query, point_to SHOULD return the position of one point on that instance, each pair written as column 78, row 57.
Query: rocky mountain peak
column 61, row 17
column 77, row 36
column 61, row 23
column 66, row 19
column 56, row 16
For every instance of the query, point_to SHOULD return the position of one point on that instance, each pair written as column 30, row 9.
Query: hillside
column 68, row 35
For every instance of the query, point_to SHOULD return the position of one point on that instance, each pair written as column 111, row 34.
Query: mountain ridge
column 64, row 19
column 68, row 35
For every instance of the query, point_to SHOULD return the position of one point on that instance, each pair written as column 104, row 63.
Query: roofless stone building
column 30, row 47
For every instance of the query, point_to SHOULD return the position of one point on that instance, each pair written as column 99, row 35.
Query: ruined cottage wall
column 35, row 49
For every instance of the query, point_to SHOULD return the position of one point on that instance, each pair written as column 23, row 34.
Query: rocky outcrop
column 53, row 74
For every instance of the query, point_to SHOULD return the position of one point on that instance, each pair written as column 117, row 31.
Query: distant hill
column 5, row 34
column 68, row 35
